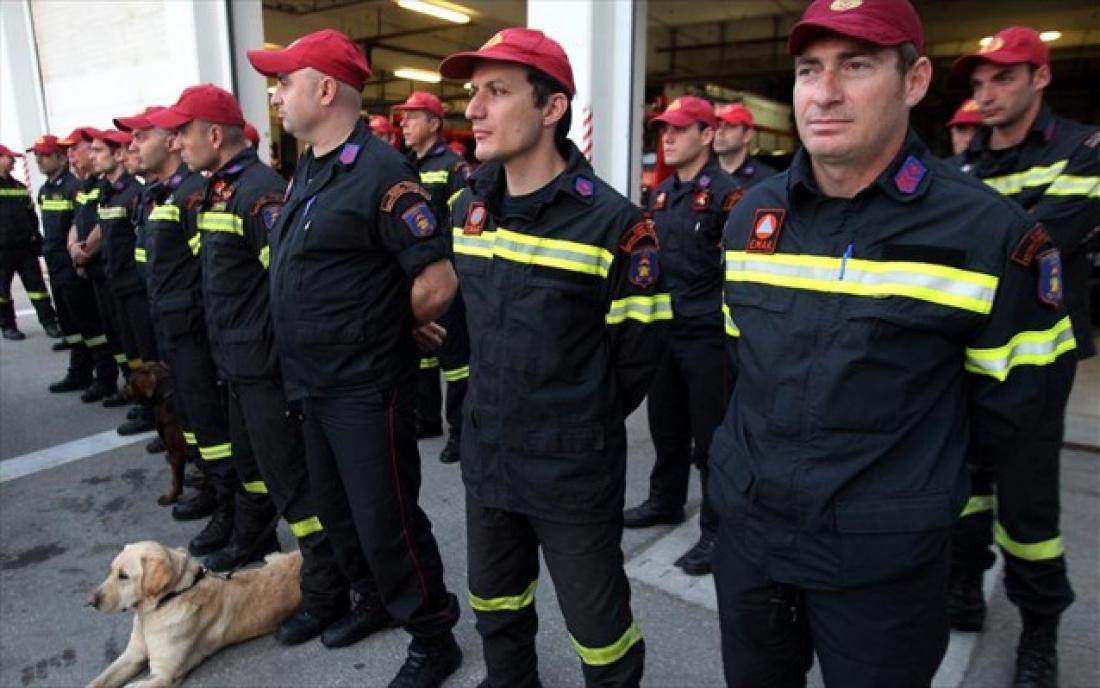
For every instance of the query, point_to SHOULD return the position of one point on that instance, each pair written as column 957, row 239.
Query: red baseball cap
column 966, row 114
column 686, row 110
column 207, row 102
column 328, row 51
column 380, row 125
column 138, row 121
column 79, row 134
column 4, row 150
column 884, row 23
column 119, row 138
column 735, row 113
column 1014, row 45
column 252, row 134
column 458, row 147
column 46, row 145
column 422, row 100
column 524, row 46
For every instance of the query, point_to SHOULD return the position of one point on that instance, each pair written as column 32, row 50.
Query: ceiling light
column 436, row 11
column 985, row 41
column 1050, row 36
column 417, row 75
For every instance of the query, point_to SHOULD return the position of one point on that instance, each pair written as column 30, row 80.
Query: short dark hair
column 907, row 57
column 545, row 86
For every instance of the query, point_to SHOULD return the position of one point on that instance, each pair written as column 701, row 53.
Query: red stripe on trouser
column 400, row 499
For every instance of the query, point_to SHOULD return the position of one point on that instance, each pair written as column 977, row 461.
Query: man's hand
column 78, row 254
column 429, row 337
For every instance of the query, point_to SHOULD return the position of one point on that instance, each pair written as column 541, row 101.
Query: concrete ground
column 71, row 496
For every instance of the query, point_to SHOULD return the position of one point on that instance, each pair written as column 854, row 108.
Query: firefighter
column 561, row 279
column 381, row 127
column 251, row 135
column 963, row 125
column 1050, row 166
column 358, row 262
column 692, row 385
column 443, row 173
column 732, row 139
column 20, row 246
column 168, row 244
column 877, row 296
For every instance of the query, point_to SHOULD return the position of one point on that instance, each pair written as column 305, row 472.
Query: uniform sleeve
column 262, row 216
column 408, row 227
column 639, row 310
column 1070, row 207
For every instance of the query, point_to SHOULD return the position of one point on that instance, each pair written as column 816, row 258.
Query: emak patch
column 1050, row 277
column 420, row 220
column 476, row 217
column 767, row 224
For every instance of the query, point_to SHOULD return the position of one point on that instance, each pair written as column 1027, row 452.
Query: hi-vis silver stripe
column 964, row 289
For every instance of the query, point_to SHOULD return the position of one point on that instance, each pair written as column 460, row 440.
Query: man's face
column 153, row 147
column 297, row 100
column 849, row 98
column 131, row 159
column 6, row 164
column 960, row 137
column 502, row 109
column 1006, row 92
column 49, row 164
column 684, row 145
column 731, row 138
column 103, row 157
column 80, row 157
column 197, row 146
column 416, row 127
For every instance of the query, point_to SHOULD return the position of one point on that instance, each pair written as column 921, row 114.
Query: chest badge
column 767, row 224
column 701, row 200
column 476, row 218
column 662, row 199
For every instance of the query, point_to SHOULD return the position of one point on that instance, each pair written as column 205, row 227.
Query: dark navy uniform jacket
column 443, row 174
column 18, row 221
column 1055, row 175
column 356, row 229
column 118, row 212
column 690, row 217
column 567, row 319
column 752, row 172
column 881, row 340
column 55, row 199
column 86, row 217
column 242, row 202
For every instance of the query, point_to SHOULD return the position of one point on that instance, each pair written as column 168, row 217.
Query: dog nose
column 93, row 598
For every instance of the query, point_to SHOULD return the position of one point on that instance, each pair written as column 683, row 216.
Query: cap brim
column 273, row 62
column 460, row 65
column 734, row 121
column 967, row 63
column 131, row 123
column 806, row 31
column 676, row 118
column 168, row 119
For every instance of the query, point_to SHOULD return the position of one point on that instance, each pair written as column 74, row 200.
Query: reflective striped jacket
column 567, row 317
column 55, row 201
column 86, row 217
column 242, row 203
column 118, row 215
column 18, row 221
column 443, row 174
column 880, row 340
column 1055, row 175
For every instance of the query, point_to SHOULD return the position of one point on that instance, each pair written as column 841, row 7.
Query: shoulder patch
column 400, row 189
column 349, row 153
column 268, row 207
column 1050, row 277
column 585, row 187
column 731, row 199
column 641, row 243
column 462, row 169
column 1025, row 251
column 193, row 200
column 645, row 232
column 420, row 220
column 909, row 176
column 476, row 217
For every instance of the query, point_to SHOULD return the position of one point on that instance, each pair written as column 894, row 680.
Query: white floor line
column 59, row 455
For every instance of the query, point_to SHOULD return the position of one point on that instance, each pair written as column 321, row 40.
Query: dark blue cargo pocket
column 731, row 479
column 249, row 352
column 179, row 314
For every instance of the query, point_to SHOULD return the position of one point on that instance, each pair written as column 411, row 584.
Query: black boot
column 70, row 383
column 201, row 505
column 53, row 330
column 366, row 616
column 100, row 389
column 965, row 602
column 649, row 513
column 696, row 561
column 1037, row 653
column 429, row 662
column 139, row 419
column 302, row 626
column 241, row 551
column 115, row 401
column 61, row 346
column 215, row 534
column 14, row 334
column 450, row 451
column 155, row 446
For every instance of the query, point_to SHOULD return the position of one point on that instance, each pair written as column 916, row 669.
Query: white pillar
column 605, row 41
column 247, row 33
column 22, row 102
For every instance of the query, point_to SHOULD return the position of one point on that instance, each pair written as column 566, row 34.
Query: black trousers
column 23, row 260
column 364, row 467
column 686, row 402
column 1027, row 508
column 111, row 317
column 270, row 458
column 91, row 351
column 138, row 340
column 453, row 359
column 892, row 634
column 585, row 562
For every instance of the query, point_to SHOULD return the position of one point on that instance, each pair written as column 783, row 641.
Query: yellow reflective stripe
column 195, row 243
column 14, row 192
column 189, row 438
column 255, row 487
column 456, row 374
column 1029, row 551
column 1011, row 184
column 112, row 213
column 165, row 213
column 429, row 363
column 135, row 363
column 5, row 299
column 98, row 340
column 139, row 254
column 1070, row 185
column 454, row 197
column 436, row 177
column 561, row 254
column 73, row 339
column 644, row 309
column 120, row 358
column 508, row 603
column 221, row 222
column 216, row 451
column 977, row 504
column 1026, row 348
column 953, row 287
column 53, row 205
column 37, row 295
column 83, row 198
column 731, row 327
column 307, row 526
column 265, row 256
column 602, row 656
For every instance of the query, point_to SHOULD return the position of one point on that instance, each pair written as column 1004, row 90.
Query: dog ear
column 144, row 380
column 156, row 576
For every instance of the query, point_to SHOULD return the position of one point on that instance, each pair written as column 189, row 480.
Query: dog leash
column 199, row 575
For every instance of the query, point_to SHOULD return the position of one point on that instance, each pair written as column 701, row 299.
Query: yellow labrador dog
column 183, row 615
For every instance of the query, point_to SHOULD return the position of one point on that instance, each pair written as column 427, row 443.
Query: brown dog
column 152, row 384
column 183, row 616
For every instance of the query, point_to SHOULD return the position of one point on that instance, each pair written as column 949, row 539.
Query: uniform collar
column 577, row 180
column 905, row 179
column 237, row 164
column 703, row 180
column 124, row 180
column 1042, row 129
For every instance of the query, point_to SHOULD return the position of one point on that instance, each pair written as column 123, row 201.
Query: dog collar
column 199, row 575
